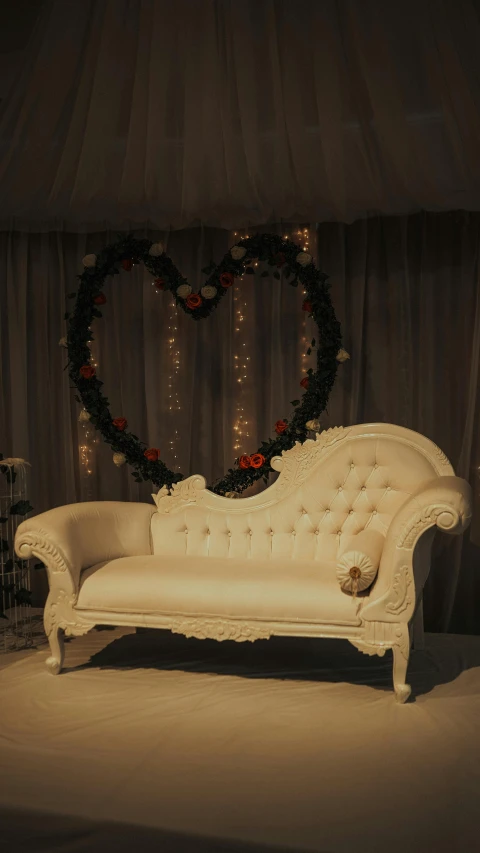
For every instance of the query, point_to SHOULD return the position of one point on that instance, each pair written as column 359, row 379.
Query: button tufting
column 294, row 533
column 340, row 488
column 389, row 488
column 374, row 512
column 364, row 488
column 352, row 465
column 186, row 530
column 229, row 533
column 351, row 512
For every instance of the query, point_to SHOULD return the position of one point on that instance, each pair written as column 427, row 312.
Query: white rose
column 119, row 459
column 304, row 259
column 83, row 416
column 238, row 252
column 342, row 355
column 314, row 425
column 208, row 292
column 155, row 250
column 89, row 260
column 183, row 291
column 62, row 342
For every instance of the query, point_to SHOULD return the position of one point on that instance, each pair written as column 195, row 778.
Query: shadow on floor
column 34, row 831
column 445, row 657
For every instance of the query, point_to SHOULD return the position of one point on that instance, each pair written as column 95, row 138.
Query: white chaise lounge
column 338, row 546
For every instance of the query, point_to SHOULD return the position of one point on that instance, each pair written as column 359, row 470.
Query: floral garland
column 297, row 267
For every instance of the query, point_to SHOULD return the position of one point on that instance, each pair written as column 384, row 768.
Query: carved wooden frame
column 60, row 616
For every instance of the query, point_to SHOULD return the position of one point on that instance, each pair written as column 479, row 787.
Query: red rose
column 280, row 259
column 120, row 423
column 227, row 279
column 87, row 371
column 304, row 382
column 307, row 306
column 257, row 460
column 159, row 283
column 244, row 461
column 194, row 300
column 100, row 299
column 152, row 454
column 127, row 264
column 280, row 427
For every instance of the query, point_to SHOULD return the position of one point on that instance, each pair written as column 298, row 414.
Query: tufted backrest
column 327, row 491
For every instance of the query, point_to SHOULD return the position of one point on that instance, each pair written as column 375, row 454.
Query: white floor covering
column 154, row 742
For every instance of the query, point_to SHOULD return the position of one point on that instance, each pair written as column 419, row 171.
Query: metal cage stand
column 22, row 627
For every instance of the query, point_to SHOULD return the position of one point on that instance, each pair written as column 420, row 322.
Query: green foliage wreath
column 296, row 266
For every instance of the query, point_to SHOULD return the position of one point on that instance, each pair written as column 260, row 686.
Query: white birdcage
column 20, row 624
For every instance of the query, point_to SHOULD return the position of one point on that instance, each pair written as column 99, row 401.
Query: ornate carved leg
column 380, row 636
column 60, row 618
column 401, row 651
column 57, row 648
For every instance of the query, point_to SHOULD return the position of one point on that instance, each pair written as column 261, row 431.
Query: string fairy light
column 303, row 237
column 300, row 235
column 172, row 380
column 88, row 440
column 241, row 366
column 173, row 357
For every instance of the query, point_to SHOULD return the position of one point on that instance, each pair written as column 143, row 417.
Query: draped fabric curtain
column 174, row 113
column 405, row 290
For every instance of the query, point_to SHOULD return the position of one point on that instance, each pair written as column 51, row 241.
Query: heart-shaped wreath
column 298, row 268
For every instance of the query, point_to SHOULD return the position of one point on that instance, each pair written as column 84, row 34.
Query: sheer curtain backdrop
column 174, row 113
column 407, row 294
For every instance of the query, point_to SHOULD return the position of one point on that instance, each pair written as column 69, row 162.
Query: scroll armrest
column 71, row 538
column 445, row 502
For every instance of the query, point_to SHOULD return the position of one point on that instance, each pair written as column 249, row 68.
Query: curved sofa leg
column 60, row 618
column 57, row 648
column 401, row 652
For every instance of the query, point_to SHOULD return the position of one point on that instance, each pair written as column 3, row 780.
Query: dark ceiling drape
column 171, row 113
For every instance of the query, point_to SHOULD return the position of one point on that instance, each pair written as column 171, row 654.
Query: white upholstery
column 206, row 586
column 85, row 533
column 208, row 566
column 360, row 486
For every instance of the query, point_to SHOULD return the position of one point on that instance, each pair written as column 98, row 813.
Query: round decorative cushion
column 357, row 566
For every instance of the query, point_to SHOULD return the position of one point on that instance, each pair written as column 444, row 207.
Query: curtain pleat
column 404, row 288
column 172, row 113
